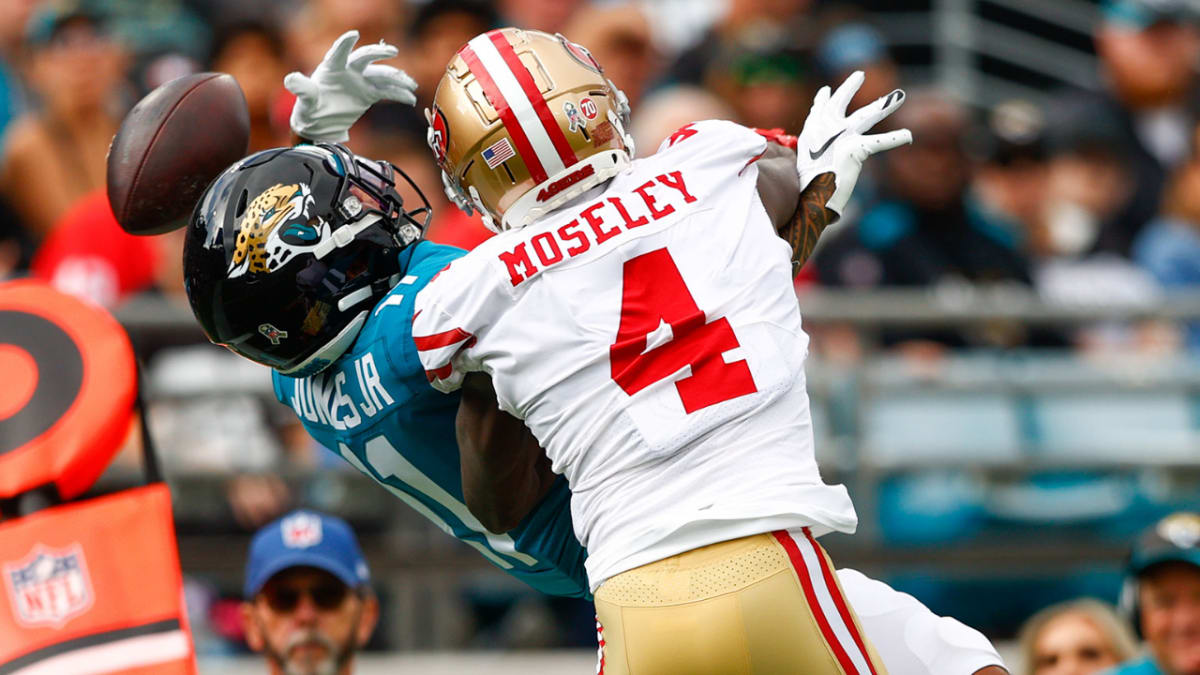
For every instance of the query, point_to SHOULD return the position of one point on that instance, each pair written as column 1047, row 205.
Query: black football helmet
column 289, row 249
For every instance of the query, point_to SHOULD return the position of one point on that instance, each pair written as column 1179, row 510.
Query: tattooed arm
column 799, row 217
column 810, row 218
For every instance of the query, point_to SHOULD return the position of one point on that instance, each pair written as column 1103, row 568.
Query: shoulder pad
column 715, row 137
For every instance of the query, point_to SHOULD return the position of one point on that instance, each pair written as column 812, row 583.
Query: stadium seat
column 919, row 427
column 929, row 507
column 1135, row 426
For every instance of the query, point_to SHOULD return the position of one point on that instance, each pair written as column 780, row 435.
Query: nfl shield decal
column 301, row 530
column 48, row 587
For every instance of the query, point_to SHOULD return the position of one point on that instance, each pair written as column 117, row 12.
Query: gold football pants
column 769, row 604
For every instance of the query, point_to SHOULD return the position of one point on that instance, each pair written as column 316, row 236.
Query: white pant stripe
column 812, row 567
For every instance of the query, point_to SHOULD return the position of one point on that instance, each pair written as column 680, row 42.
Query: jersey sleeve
column 449, row 316
column 721, row 149
column 718, row 141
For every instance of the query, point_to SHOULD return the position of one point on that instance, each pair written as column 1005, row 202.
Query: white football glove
column 832, row 142
column 343, row 86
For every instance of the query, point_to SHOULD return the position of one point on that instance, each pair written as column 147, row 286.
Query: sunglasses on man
column 326, row 596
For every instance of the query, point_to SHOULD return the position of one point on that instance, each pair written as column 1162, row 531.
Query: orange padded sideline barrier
column 94, row 586
column 67, row 384
column 88, row 586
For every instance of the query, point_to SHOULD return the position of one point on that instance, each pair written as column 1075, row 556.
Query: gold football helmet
column 524, row 121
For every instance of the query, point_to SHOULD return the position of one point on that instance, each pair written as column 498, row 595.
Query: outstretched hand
column 343, row 86
column 837, row 143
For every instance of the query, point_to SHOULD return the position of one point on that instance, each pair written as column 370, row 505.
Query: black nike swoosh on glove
column 816, row 154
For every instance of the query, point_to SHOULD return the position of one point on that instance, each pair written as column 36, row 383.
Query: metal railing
column 427, row 574
column 959, row 35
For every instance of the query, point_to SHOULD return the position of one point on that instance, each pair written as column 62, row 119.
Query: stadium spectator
column 1169, row 247
column 309, row 606
column 856, row 45
column 745, row 22
column 437, row 31
column 545, row 15
column 56, row 155
column 14, row 14
column 665, row 110
column 1010, row 180
column 254, row 54
column 316, row 24
column 1079, row 637
column 1088, row 183
column 1163, row 595
column 925, row 229
column 620, row 37
column 1053, row 182
column 396, row 132
column 166, row 38
column 765, row 80
column 88, row 255
column 1148, row 51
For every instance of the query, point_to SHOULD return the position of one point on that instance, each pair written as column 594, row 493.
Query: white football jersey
column 649, row 336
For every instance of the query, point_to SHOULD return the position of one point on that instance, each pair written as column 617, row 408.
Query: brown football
column 170, row 146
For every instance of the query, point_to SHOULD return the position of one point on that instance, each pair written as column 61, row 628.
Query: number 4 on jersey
column 654, row 293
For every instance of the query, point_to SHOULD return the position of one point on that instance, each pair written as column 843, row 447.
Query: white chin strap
column 529, row 207
column 344, row 235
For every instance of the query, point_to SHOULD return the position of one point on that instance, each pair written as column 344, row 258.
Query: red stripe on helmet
column 507, row 116
column 525, row 78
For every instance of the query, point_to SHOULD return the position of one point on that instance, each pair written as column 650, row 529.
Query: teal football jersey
column 375, row 408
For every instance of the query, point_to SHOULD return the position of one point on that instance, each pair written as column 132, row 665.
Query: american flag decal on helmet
column 497, row 153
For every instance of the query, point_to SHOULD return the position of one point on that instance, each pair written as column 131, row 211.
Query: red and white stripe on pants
column 600, row 648
column 826, row 601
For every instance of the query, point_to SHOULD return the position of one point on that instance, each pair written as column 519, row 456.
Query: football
column 170, row 146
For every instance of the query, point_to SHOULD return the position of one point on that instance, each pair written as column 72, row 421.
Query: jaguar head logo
column 276, row 225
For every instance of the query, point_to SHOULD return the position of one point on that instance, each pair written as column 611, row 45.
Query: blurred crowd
column 1159, row 603
column 1082, row 196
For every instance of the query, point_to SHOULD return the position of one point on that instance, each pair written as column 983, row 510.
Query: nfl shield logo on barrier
column 49, row 587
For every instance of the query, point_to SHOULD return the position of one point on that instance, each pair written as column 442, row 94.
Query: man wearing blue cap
column 1163, row 597
column 308, row 604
